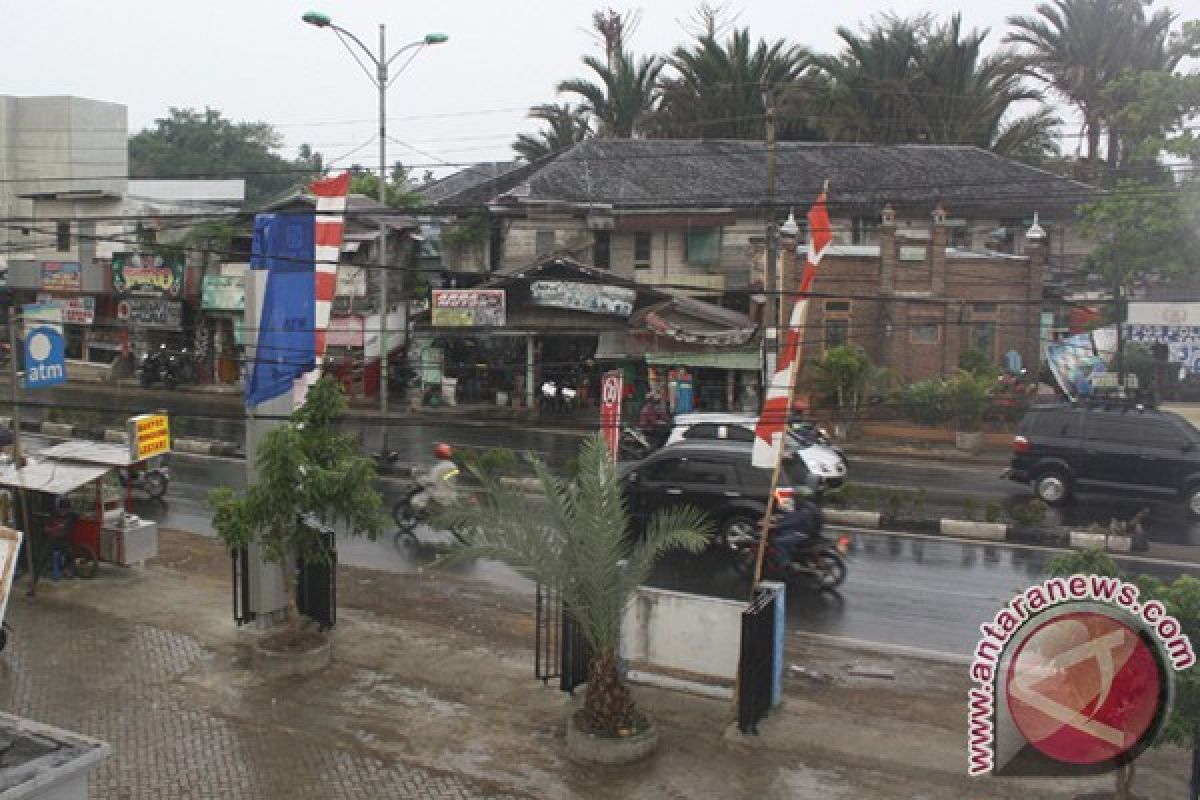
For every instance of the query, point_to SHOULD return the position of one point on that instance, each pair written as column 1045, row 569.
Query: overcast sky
column 463, row 101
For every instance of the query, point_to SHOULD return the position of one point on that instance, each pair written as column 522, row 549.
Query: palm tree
column 966, row 98
column 568, row 125
column 625, row 96
column 870, row 92
column 719, row 88
column 1080, row 47
column 576, row 536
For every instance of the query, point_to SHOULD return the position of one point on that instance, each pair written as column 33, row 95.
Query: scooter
column 152, row 480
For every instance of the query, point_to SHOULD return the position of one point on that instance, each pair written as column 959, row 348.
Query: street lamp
column 380, row 78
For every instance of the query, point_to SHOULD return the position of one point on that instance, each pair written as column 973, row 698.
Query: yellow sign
column 149, row 436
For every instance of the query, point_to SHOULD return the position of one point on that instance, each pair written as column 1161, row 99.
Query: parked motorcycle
column 171, row 367
column 152, row 480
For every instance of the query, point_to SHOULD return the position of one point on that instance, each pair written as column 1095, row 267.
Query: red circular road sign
column 1085, row 688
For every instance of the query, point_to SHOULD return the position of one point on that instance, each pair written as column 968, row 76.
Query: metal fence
column 316, row 584
column 756, row 677
column 560, row 649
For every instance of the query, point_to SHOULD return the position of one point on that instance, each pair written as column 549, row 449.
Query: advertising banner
column 62, row 276
column 345, row 332
column 468, row 308
column 149, row 312
column 593, row 298
column 149, row 435
column 75, row 310
column 10, row 550
column 1077, row 360
column 145, row 274
column 610, row 410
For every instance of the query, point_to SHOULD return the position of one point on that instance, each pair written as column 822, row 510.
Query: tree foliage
column 577, row 536
column 566, row 124
column 623, row 95
column 398, row 193
column 304, row 468
column 846, row 376
column 203, row 144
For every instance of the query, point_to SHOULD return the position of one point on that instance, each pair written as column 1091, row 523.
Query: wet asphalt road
column 905, row 590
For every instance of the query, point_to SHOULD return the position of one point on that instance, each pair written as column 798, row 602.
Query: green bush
column 926, row 402
column 1029, row 514
column 992, row 512
column 492, row 460
column 969, row 397
column 1092, row 561
column 976, row 362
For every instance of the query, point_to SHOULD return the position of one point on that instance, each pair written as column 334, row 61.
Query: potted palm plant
column 576, row 535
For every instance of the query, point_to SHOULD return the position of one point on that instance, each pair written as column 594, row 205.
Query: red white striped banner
column 772, row 422
column 330, row 196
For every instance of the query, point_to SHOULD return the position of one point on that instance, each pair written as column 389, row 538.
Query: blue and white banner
column 285, row 346
column 43, row 346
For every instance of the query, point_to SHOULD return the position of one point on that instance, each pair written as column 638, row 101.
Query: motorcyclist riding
column 439, row 483
column 798, row 526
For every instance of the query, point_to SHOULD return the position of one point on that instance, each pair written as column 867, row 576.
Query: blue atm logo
column 45, row 364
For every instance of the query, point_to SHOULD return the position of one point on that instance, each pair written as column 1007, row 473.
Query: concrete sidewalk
column 432, row 695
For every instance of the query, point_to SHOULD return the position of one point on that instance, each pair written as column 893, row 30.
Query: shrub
column 1030, row 514
column 926, row 402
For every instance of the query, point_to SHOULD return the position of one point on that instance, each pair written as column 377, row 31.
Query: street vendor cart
column 123, row 538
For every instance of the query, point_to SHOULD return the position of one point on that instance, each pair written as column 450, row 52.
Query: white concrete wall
column 689, row 632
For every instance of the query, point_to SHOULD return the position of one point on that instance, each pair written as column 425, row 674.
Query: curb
column 985, row 531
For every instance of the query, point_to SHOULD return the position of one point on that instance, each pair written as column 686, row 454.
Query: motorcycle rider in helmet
column 439, row 483
column 797, row 526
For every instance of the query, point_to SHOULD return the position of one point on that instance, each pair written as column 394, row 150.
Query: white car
column 824, row 462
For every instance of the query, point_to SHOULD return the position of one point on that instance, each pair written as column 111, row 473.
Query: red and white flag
column 330, row 200
column 772, row 422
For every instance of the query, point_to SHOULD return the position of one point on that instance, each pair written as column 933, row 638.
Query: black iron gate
column 241, row 587
column 756, row 679
column 560, row 650
column 316, row 584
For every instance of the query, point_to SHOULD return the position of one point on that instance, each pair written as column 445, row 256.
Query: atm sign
column 149, row 435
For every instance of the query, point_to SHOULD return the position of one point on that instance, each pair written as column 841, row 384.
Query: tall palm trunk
column 607, row 704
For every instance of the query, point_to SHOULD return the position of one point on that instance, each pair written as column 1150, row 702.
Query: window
column 1163, row 437
column 642, row 242
column 63, row 236
column 837, row 306
column 602, row 249
column 1055, row 424
column 837, row 332
column 1114, row 430
column 983, row 338
column 688, row 470
column 669, row 469
column 865, row 230
column 925, row 333
column 702, row 246
column 983, row 308
column 544, row 245
column 705, row 430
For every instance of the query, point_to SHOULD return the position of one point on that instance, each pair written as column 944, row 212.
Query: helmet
column 443, row 451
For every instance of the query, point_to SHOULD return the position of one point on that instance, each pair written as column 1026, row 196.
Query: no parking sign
column 610, row 410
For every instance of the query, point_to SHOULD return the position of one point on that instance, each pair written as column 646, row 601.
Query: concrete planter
column 277, row 664
column 858, row 519
column 968, row 441
column 42, row 762
column 610, row 751
column 966, row 529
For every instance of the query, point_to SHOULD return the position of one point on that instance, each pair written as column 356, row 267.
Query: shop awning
column 734, row 359
column 107, row 454
column 50, row 477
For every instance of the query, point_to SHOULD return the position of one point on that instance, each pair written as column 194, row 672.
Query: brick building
column 914, row 303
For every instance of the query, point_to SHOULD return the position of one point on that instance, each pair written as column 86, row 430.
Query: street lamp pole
column 382, row 62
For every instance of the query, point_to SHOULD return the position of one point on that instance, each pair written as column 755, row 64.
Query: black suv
column 715, row 476
column 1131, row 450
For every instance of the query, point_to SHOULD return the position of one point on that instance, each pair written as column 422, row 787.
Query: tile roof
column 675, row 173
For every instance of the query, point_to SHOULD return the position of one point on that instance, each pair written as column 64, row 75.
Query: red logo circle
column 1084, row 688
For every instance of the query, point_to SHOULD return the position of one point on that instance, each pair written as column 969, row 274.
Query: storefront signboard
column 468, row 308
column 75, row 310
column 62, row 275
column 593, row 298
column 146, row 274
column 345, row 332
column 149, row 312
column 149, row 435
column 611, row 391
column 223, row 293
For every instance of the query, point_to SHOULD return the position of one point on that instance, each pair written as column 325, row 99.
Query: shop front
column 151, row 304
column 219, row 338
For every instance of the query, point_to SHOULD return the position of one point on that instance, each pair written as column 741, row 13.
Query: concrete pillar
column 267, row 598
column 937, row 253
column 790, row 267
column 531, row 388
column 888, row 255
column 1036, row 247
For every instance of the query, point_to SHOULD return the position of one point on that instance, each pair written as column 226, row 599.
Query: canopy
column 50, row 477
column 85, row 452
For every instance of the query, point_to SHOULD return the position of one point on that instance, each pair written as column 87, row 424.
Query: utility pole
column 18, row 453
column 772, row 284
column 1118, row 314
column 381, row 80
